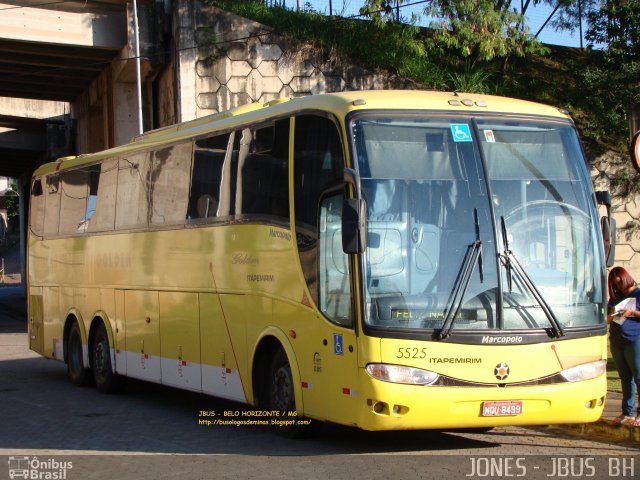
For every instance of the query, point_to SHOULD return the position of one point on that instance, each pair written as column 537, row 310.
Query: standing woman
column 624, row 338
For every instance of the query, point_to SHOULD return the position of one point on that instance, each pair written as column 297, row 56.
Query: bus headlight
column 401, row 374
column 586, row 371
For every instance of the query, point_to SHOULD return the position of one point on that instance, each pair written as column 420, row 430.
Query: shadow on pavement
column 47, row 412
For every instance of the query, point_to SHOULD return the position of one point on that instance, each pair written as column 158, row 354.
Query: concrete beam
column 38, row 109
column 86, row 29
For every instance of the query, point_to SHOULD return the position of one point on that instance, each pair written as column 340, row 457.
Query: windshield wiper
column 474, row 253
column 510, row 262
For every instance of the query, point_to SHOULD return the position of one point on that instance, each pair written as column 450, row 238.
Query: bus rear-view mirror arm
column 608, row 227
column 354, row 213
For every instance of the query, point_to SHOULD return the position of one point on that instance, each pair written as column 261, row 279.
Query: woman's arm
column 628, row 313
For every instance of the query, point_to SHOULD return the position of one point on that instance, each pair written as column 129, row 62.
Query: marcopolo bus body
column 389, row 260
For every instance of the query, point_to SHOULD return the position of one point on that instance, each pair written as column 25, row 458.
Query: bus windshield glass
column 451, row 200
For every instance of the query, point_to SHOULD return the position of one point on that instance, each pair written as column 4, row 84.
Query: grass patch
column 613, row 379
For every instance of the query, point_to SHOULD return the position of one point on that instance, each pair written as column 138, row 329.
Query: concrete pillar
column 185, row 37
column 126, row 112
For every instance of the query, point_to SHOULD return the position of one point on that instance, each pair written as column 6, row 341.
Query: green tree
column 611, row 81
column 617, row 25
column 381, row 10
column 481, row 29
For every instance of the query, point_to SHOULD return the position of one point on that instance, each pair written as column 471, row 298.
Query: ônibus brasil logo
column 33, row 468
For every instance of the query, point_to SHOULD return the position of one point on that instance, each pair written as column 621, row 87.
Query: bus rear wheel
column 107, row 381
column 78, row 374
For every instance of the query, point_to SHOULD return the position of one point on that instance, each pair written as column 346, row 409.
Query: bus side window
column 101, row 209
column 263, row 172
column 132, row 202
column 52, row 206
column 73, row 201
column 92, row 178
column 170, row 176
column 212, row 165
column 78, row 197
column 36, row 216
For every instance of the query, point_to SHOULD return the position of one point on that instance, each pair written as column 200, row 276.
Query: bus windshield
column 451, row 202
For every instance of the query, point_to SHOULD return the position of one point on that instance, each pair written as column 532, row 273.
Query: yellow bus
column 381, row 259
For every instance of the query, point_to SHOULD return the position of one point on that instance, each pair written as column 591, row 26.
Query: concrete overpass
column 53, row 50
column 62, row 69
column 31, row 131
column 66, row 80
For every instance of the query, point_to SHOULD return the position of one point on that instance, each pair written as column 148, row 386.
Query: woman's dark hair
column 626, row 280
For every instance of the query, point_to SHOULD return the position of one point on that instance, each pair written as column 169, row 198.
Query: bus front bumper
column 389, row 406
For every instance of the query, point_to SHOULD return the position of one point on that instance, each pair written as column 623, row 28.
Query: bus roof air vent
column 277, row 101
column 249, row 107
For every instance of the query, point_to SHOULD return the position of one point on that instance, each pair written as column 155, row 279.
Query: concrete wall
column 613, row 172
column 225, row 61
column 167, row 97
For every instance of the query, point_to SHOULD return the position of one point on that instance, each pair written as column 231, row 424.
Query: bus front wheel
column 281, row 388
column 78, row 374
column 282, row 398
column 107, row 381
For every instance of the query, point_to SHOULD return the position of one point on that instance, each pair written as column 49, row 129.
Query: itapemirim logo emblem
column 35, row 469
column 501, row 371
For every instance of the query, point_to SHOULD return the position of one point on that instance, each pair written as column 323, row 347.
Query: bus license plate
column 501, row 409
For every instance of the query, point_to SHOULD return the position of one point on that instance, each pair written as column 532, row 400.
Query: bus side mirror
column 608, row 226
column 354, row 229
column 354, row 214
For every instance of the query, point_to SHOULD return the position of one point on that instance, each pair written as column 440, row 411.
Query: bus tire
column 107, row 381
column 281, row 397
column 78, row 374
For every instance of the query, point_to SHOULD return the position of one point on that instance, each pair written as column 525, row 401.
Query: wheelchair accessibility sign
column 461, row 132
column 337, row 344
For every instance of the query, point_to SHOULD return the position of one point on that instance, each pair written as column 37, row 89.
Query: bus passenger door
column 329, row 363
column 332, row 389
